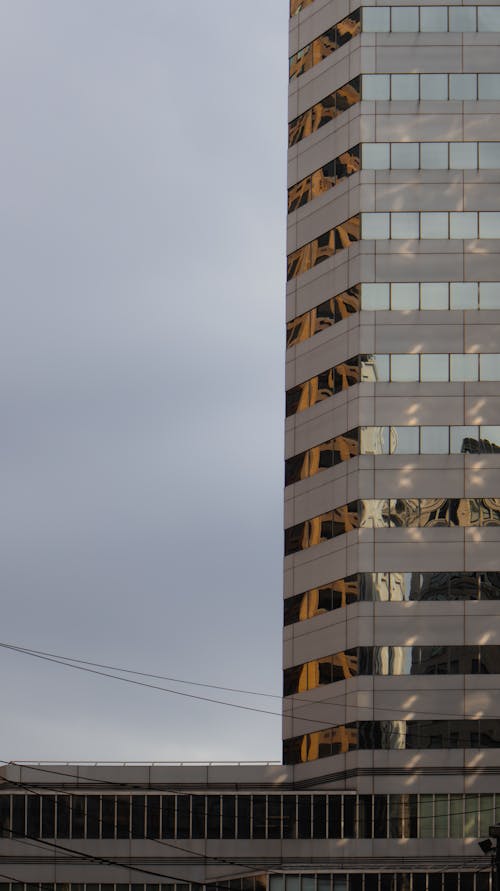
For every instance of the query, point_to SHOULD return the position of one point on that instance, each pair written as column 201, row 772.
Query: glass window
column 433, row 86
column 463, row 225
column 463, row 367
column 374, row 225
column 404, row 86
column 404, row 295
column 490, row 367
column 489, row 295
column 404, row 441
column 404, row 367
column 434, row 440
column 433, row 19
column 491, row 433
column 375, row 296
column 463, row 86
column 434, row 225
column 375, row 86
column 376, row 20
column 458, row 435
column 462, row 18
column 489, row 155
column 489, row 86
column 404, row 156
column 463, row 295
column 404, row 225
column 404, row 18
column 381, row 365
column 463, row 155
column 434, row 295
column 488, row 18
column 434, row 155
column 376, row 156
column 374, row 441
column 489, row 224
column 434, row 367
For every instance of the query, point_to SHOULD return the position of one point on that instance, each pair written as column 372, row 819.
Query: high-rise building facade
column 391, row 730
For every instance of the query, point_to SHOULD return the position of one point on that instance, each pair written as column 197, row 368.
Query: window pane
column 434, row 295
column 491, row 433
column 404, row 225
column 434, row 367
column 458, row 436
column 489, row 86
column 376, row 19
column 463, row 367
column 433, row 86
column 489, row 295
column 463, row 225
column 488, row 18
column 375, row 86
column 404, row 156
column 404, row 18
column 375, row 296
column 404, row 86
column 489, row 155
column 490, row 367
column 435, row 440
column 404, row 367
column 374, row 225
column 463, row 155
column 434, row 225
column 462, row 19
column 463, row 295
column 404, row 441
column 434, row 155
column 489, row 223
column 463, row 86
column 376, row 156
column 381, row 366
column 433, row 19
column 374, row 440
column 404, row 295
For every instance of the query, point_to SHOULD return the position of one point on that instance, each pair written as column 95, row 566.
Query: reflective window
column 323, row 247
column 376, row 86
column 404, row 440
column 328, row 454
column 391, row 586
column 434, row 19
column 404, row 18
column 433, row 225
column 463, row 225
column 323, row 112
column 431, row 155
column 489, row 86
column 404, row 367
column 463, row 155
column 462, row 18
column 376, row 19
column 395, row 512
column 405, row 296
column 434, row 440
column 463, row 86
column 489, row 366
column 434, row 367
column 464, row 367
column 489, row 224
column 297, row 6
column 395, row 734
column 325, row 178
column 405, row 225
column 323, row 316
column 434, row 86
column 488, row 18
column 322, row 47
column 431, row 19
column 404, row 155
column 391, row 660
column 375, row 225
column 405, row 86
column 430, row 295
column 434, row 295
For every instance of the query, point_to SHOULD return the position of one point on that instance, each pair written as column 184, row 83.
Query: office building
column 391, row 728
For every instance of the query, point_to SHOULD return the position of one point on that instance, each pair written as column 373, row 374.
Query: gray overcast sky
column 142, row 164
